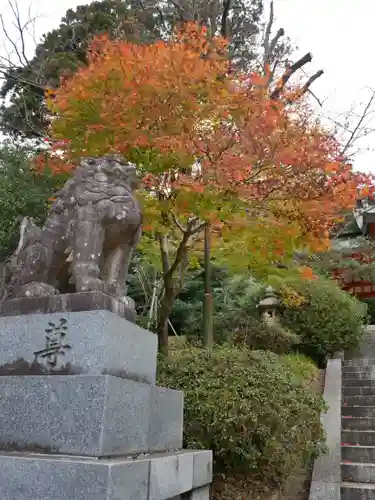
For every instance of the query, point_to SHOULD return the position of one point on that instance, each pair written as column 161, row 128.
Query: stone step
column 357, row 491
column 363, row 438
column 358, row 391
column 358, row 423
column 357, row 366
column 358, row 411
column 358, row 454
column 361, row 373
column 355, row 382
column 359, row 400
column 358, row 472
column 358, row 362
column 367, row 351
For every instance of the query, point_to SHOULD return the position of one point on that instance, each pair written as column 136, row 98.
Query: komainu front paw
column 37, row 289
column 89, row 284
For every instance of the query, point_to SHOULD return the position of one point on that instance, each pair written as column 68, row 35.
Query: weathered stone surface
column 324, row 491
column 25, row 477
column 90, row 342
column 355, row 423
column 355, row 437
column 87, row 415
column 359, row 362
column 326, row 477
column 355, row 454
column 89, row 235
column 70, row 302
column 202, row 472
column 171, row 475
column 354, row 473
column 358, row 411
column 359, row 400
column 364, row 373
column 360, row 491
column 358, row 391
column 354, row 382
column 166, row 419
column 198, row 494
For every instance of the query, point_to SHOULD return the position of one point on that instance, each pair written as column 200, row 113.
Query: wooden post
column 207, row 300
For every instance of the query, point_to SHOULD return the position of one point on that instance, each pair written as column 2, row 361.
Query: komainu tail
column 29, row 233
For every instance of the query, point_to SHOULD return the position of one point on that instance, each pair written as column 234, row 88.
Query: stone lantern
column 269, row 306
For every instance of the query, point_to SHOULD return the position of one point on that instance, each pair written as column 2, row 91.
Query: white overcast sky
column 339, row 34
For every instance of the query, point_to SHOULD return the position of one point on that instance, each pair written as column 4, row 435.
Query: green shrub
column 252, row 408
column 257, row 335
column 331, row 320
column 370, row 310
column 234, row 297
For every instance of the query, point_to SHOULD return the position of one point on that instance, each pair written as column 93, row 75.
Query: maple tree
column 269, row 177
column 23, row 79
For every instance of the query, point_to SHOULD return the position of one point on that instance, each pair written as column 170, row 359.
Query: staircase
column 358, row 424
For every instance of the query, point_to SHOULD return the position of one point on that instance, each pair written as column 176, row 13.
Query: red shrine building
column 351, row 237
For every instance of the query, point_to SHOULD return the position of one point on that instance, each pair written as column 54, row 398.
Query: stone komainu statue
column 88, row 238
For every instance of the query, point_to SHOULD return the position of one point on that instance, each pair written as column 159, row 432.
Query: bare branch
column 275, row 39
column 178, row 224
column 20, row 28
column 356, row 129
column 275, row 94
column 199, row 227
column 270, row 45
column 180, row 10
column 315, row 97
column 10, row 40
column 267, row 36
column 305, row 88
column 311, row 80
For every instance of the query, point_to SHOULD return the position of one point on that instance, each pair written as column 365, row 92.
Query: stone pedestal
column 80, row 415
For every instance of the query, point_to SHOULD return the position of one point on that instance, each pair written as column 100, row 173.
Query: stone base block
column 70, row 302
column 85, row 342
column 88, row 415
column 152, row 477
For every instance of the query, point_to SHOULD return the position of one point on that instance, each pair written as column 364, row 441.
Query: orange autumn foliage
column 307, row 273
column 165, row 104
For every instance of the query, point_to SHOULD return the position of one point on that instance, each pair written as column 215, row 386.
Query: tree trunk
column 162, row 329
column 171, row 289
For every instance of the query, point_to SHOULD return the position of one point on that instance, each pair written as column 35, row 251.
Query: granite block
column 88, row 415
column 77, row 414
column 70, row 302
column 326, row 478
column 327, row 468
column 86, row 342
column 130, row 482
column 198, row 494
column 166, row 419
column 324, row 491
column 358, row 473
column 125, row 425
column 202, row 468
column 170, row 475
column 42, row 477
column 353, row 491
